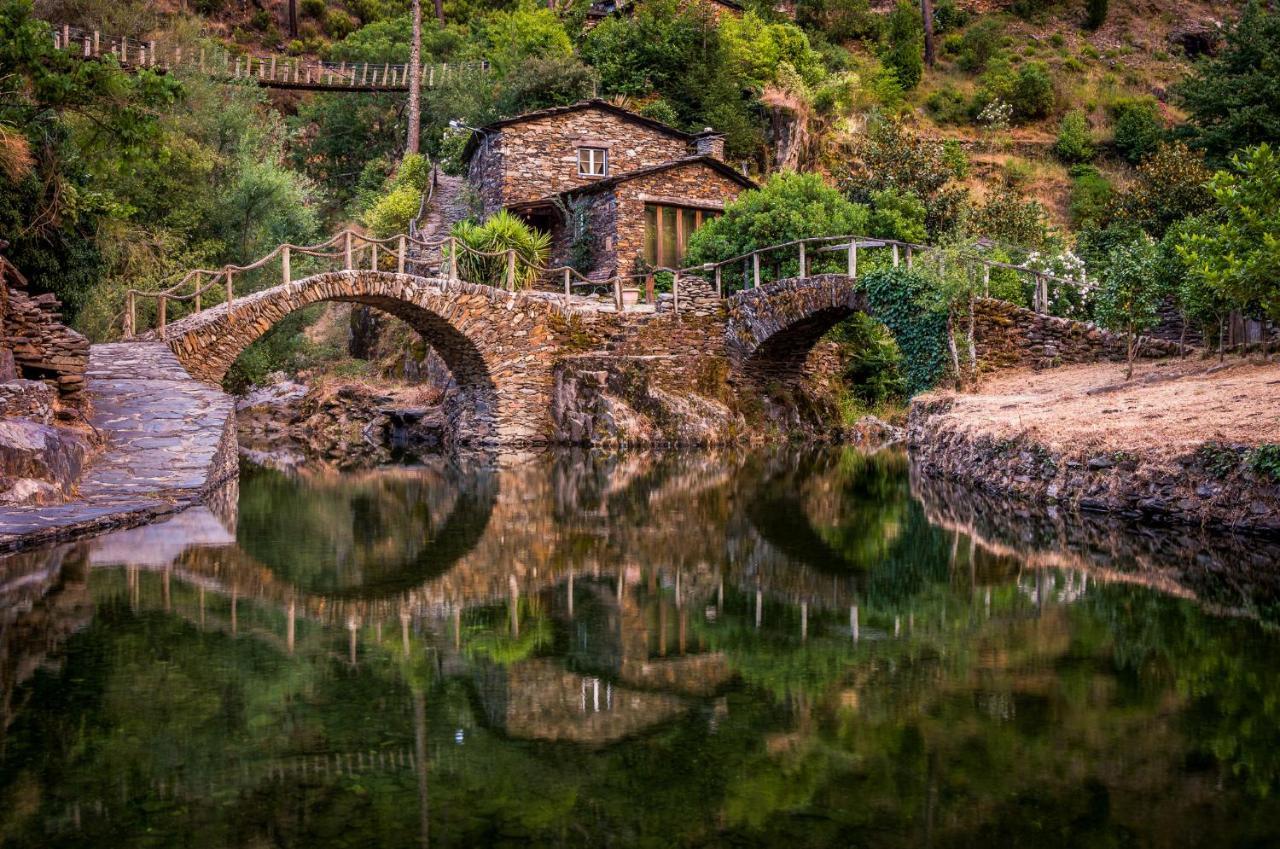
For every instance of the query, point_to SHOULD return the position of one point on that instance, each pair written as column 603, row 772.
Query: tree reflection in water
column 687, row 649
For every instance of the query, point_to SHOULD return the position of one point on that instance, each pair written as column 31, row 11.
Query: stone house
column 618, row 192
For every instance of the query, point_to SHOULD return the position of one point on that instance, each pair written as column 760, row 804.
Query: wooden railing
column 274, row 71
column 408, row 253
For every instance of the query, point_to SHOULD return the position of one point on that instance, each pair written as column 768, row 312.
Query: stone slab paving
column 169, row 439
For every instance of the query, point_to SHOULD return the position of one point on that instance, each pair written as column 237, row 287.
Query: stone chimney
column 709, row 143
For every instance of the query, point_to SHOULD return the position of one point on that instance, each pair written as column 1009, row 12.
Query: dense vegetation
column 110, row 180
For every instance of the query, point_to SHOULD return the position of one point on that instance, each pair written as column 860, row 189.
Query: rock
column 276, row 394
column 1101, row 462
column 40, row 463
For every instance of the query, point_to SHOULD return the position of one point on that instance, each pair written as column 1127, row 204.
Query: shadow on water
column 575, row 648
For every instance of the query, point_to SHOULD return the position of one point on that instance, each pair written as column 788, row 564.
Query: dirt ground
column 1168, row 408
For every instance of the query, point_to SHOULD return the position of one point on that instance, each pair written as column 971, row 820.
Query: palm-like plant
column 482, row 252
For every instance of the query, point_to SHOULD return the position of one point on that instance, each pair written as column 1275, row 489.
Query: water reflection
column 575, row 648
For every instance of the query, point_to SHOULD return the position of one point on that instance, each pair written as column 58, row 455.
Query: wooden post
column 400, row 251
column 453, row 258
column 617, row 298
column 373, row 256
column 986, row 280
column 718, row 290
column 161, row 309
column 511, row 270
column 567, row 283
column 286, row 271
column 755, row 270
column 675, row 293
column 347, row 252
column 87, row 47
column 199, row 291
column 97, row 43
column 66, row 37
column 237, row 73
column 803, row 260
column 895, row 256
column 273, row 68
column 153, row 56
column 130, row 314
column 910, row 255
column 231, row 292
column 853, row 259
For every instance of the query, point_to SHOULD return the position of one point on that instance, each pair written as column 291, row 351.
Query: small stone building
column 618, row 192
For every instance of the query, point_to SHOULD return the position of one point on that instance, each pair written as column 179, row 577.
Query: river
column 797, row 648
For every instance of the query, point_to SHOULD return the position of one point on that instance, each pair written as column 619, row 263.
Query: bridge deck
column 165, row 441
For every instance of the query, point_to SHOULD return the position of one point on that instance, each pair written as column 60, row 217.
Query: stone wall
column 693, row 184
column 36, row 345
column 1010, row 336
column 538, row 157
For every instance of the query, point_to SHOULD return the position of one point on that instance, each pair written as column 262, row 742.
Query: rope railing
column 357, row 250
column 271, row 70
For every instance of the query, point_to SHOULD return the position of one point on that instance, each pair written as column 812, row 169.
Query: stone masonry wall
column 1010, row 336
column 692, row 184
column 539, row 157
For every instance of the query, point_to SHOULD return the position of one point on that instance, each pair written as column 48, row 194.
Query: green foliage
column 527, row 31
column 948, row 16
column 1199, row 302
column 1169, row 185
column 391, row 214
column 1091, row 196
column 312, row 9
column 1008, row 217
column 1233, row 97
column 660, row 110
column 1265, row 460
column 1075, row 143
column 904, row 50
column 542, row 82
column 500, row 233
column 897, row 215
column 873, row 362
column 388, row 41
column 1095, row 13
column 1218, row 459
column 949, row 106
column 888, row 156
column 788, row 206
column 1028, row 90
column 1031, row 9
column 978, row 45
column 895, row 296
column 840, row 20
column 1136, row 127
column 1128, row 295
column 1237, row 252
column 956, row 158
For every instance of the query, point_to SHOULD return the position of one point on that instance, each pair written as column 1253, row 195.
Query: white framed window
column 593, row 162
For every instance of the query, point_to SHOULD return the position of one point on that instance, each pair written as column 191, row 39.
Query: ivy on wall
column 895, row 297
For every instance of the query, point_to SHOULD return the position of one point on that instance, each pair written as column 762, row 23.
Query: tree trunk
column 415, row 80
column 973, row 347
column 440, row 11
column 926, row 12
column 1222, row 337
column 955, row 353
column 293, row 18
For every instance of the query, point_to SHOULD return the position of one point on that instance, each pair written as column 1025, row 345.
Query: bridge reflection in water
column 402, row 630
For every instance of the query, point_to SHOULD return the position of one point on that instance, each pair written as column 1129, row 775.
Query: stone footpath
column 170, row 440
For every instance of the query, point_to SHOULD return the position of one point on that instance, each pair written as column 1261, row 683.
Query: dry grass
column 1169, row 408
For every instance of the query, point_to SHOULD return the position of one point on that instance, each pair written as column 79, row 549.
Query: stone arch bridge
column 504, row 347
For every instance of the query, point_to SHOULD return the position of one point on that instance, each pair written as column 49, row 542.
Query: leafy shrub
column 540, row 82
column 501, row 232
column 660, row 110
column 1136, row 126
column 1218, row 459
column 1075, row 144
column 904, row 53
column 313, row 9
column 338, row 24
column 1128, row 295
column 1170, row 185
column 392, row 212
column 897, row 215
column 948, row 106
column 956, row 158
column 979, row 43
column 526, row 30
column 1032, row 96
column 788, row 206
column 1031, row 9
column 841, row 20
column 873, row 361
column 1095, row 13
column 948, row 16
column 1008, row 217
column 1265, row 460
column 1090, row 196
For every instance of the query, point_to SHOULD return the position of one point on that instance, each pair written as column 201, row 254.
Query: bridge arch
column 499, row 345
column 770, row 330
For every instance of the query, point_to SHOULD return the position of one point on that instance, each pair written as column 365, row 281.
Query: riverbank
column 1180, row 443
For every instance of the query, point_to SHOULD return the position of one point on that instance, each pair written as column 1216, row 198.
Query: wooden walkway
column 269, row 71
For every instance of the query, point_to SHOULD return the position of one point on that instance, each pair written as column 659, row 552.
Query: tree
column 1238, row 251
column 926, row 14
column 955, row 274
column 1171, row 184
column 1233, row 98
column 1074, row 142
column 1136, row 127
column 415, row 80
column 1128, row 295
column 1095, row 13
column 904, row 51
column 527, row 30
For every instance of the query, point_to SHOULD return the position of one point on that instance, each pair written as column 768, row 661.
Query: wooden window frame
column 594, row 155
